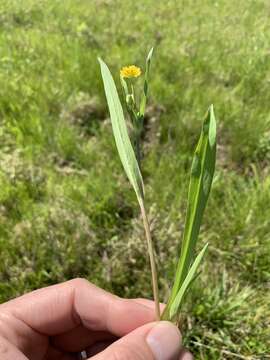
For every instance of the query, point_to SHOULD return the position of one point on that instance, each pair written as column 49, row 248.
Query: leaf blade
column 122, row 140
column 186, row 284
column 199, row 189
column 145, row 86
column 202, row 172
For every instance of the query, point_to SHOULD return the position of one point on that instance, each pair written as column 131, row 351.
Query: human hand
column 61, row 321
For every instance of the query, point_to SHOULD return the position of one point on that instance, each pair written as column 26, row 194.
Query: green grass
column 66, row 208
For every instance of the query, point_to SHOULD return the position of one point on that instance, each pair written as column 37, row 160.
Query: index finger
column 60, row 308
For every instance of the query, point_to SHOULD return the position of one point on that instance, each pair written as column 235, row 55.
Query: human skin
column 60, row 321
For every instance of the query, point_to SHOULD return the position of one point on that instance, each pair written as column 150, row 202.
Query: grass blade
column 120, row 132
column 145, row 87
column 130, row 164
column 175, row 307
column 202, row 172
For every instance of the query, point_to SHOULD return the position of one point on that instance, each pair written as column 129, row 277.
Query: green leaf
column 202, row 172
column 145, row 87
column 129, row 101
column 175, row 307
column 120, row 132
column 125, row 87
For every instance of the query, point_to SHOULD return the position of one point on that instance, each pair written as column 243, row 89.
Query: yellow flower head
column 130, row 71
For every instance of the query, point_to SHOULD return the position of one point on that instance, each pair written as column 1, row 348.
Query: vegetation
column 201, row 178
column 65, row 205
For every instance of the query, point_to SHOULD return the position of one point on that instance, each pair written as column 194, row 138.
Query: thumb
column 154, row 341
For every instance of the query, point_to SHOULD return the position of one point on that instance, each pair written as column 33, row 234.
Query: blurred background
column 66, row 207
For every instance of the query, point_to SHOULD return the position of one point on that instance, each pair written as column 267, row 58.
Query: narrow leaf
column 145, row 87
column 124, row 86
column 120, row 132
column 202, row 172
column 175, row 307
column 129, row 106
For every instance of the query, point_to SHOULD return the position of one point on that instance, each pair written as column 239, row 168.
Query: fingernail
column 164, row 340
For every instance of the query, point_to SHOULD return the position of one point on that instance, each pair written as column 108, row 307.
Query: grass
column 66, row 208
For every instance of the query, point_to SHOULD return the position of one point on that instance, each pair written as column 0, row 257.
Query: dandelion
column 131, row 71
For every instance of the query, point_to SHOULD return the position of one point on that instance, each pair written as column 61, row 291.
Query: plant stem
column 152, row 259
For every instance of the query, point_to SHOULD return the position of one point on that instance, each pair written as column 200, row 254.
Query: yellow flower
column 130, row 71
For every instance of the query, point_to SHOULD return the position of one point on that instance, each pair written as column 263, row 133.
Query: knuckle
column 79, row 282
